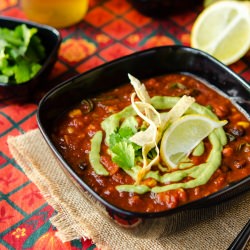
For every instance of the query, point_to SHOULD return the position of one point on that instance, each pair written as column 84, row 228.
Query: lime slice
column 183, row 136
column 223, row 30
column 206, row 3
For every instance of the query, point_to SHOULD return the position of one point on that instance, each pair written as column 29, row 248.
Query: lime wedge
column 183, row 136
column 223, row 30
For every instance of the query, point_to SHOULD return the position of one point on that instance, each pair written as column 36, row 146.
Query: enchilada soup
column 94, row 137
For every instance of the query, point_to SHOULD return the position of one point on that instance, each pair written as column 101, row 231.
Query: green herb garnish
column 123, row 150
column 21, row 54
column 123, row 154
column 178, row 85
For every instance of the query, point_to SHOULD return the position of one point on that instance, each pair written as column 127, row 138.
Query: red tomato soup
column 73, row 135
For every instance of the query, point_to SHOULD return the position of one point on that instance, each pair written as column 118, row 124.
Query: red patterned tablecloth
column 111, row 29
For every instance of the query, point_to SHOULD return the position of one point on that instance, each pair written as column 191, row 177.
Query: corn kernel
column 70, row 130
column 91, row 127
column 75, row 112
column 112, row 109
column 243, row 124
column 227, row 152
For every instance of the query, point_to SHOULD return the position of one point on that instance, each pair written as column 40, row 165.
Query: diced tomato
column 109, row 165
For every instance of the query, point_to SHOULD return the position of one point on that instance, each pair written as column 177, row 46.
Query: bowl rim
column 123, row 212
column 47, row 28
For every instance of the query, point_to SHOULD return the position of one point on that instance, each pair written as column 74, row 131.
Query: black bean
column 239, row 164
column 237, row 131
column 82, row 165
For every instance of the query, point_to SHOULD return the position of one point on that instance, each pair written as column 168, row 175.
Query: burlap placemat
column 79, row 215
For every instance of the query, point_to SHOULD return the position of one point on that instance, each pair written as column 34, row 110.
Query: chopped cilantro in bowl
column 21, row 54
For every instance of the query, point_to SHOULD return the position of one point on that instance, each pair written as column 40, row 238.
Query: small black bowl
column 51, row 39
column 145, row 64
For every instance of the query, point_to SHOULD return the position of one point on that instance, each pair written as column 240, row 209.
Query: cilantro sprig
column 123, row 151
column 21, row 54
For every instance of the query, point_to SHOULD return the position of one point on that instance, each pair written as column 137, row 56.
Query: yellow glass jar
column 56, row 13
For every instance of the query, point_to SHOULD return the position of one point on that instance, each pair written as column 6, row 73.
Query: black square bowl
column 51, row 39
column 145, row 64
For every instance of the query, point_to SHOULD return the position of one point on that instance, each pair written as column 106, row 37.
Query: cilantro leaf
column 126, row 132
column 35, row 67
column 4, row 79
column 8, row 70
column 10, row 37
column 21, row 54
column 114, row 139
column 22, row 72
column 130, row 122
column 3, row 61
column 26, row 33
column 123, row 134
column 124, row 151
column 123, row 155
column 38, row 50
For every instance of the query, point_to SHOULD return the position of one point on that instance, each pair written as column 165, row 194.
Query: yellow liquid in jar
column 56, row 13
